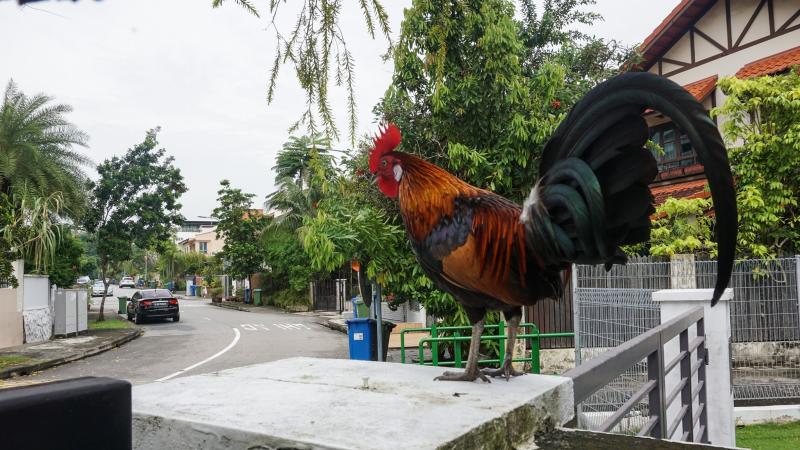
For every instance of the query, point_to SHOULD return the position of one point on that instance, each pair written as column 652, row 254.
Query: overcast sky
column 201, row 74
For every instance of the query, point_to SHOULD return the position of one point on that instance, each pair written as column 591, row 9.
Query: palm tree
column 299, row 167
column 36, row 154
column 295, row 158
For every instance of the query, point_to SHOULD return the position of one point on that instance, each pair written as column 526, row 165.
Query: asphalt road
column 207, row 339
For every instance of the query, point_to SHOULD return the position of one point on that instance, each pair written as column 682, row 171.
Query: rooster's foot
column 462, row 376
column 506, row 372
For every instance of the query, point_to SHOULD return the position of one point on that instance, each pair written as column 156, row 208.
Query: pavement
column 44, row 355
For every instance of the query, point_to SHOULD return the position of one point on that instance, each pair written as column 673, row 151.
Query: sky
column 201, row 74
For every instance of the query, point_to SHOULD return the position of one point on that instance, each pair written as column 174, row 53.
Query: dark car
column 153, row 303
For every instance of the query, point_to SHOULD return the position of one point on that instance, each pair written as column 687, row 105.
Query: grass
column 110, row 324
column 12, row 360
column 770, row 436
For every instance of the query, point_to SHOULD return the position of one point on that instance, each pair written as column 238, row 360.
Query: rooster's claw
column 462, row 376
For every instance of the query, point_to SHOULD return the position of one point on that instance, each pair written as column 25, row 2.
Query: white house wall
column 714, row 25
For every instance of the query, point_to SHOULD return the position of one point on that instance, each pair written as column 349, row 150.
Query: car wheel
column 176, row 317
column 129, row 317
column 137, row 319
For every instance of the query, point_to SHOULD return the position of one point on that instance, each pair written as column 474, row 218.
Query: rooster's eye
column 383, row 163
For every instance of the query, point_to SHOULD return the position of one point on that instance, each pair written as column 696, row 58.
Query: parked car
column 97, row 289
column 127, row 282
column 153, row 303
column 83, row 281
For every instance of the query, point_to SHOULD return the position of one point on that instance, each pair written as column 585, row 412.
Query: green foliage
column 29, row 228
column 317, row 49
column 240, row 227
column 67, row 264
column 135, row 201
column 762, row 126
column 769, row 436
column 36, row 155
column 682, row 226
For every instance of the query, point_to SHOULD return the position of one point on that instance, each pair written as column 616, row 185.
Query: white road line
column 215, row 355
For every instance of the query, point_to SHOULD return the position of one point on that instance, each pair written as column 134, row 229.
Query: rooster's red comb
column 385, row 143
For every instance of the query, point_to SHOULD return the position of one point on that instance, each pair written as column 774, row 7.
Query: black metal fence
column 333, row 293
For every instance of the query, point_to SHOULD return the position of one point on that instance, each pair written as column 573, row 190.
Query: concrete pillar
column 673, row 302
column 682, row 272
column 19, row 274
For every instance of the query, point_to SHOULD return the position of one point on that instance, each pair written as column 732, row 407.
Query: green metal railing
column 531, row 333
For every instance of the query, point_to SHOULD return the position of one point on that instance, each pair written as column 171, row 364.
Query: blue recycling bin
column 360, row 337
column 247, row 295
column 193, row 290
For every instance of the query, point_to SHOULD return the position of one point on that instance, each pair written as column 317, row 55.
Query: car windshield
column 157, row 293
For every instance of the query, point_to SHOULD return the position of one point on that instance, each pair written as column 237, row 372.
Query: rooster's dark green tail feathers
column 593, row 196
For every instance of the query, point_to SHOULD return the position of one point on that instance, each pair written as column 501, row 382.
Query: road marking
column 206, row 318
column 291, row 326
column 215, row 355
column 254, row 326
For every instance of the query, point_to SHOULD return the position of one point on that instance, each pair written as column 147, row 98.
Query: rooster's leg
column 471, row 373
column 507, row 370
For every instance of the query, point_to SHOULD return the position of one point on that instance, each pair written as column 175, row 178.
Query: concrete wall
column 10, row 319
column 37, row 310
column 11, row 305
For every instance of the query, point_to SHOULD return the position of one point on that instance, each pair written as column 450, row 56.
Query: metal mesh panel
column 612, row 307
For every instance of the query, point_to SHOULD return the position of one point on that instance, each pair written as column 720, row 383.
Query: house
column 699, row 42
column 193, row 226
column 205, row 242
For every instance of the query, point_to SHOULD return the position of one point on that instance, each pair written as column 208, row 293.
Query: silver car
column 97, row 289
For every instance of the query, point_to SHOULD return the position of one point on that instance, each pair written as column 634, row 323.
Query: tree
column 29, row 229
column 316, row 47
column 36, row 149
column 761, row 122
column 135, row 201
column 301, row 168
column 682, row 226
column 65, row 268
column 240, row 226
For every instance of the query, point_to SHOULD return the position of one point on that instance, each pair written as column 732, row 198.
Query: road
column 207, row 339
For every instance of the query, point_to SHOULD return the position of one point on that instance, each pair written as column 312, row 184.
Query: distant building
column 205, row 242
column 193, row 226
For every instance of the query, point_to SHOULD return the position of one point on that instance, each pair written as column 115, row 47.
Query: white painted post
column 721, row 426
column 19, row 274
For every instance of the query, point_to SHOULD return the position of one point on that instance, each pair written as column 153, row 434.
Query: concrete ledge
column 312, row 403
column 682, row 295
column 749, row 415
column 229, row 306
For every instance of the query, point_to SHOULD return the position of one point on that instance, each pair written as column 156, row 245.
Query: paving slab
column 313, row 403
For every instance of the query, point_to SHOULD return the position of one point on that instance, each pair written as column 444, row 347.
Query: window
column 203, row 247
column 678, row 151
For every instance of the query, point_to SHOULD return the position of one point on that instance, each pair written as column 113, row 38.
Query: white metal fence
column 613, row 307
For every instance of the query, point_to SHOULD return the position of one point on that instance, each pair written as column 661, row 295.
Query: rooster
column 490, row 253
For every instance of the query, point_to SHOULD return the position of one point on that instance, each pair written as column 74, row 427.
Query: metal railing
column 595, row 374
column 532, row 335
column 614, row 306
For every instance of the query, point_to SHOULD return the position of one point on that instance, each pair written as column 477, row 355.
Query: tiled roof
column 672, row 28
column 687, row 189
column 701, row 89
column 771, row 64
